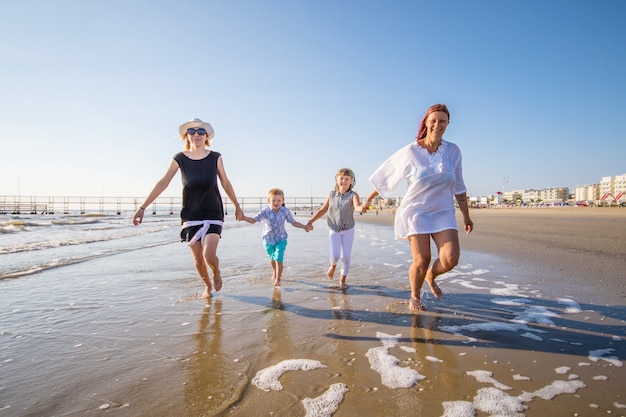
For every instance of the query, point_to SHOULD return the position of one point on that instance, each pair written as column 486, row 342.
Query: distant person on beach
column 340, row 205
column 432, row 169
column 274, row 234
column 202, row 213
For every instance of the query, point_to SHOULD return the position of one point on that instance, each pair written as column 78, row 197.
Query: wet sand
column 531, row 326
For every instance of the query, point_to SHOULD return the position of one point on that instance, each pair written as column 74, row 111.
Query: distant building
column 619, row 186
column 607, row 185
column 531, row 196
column 587, row 192
column 555, row 195
column 512, row 196
column 608, row 190
column 613, row 188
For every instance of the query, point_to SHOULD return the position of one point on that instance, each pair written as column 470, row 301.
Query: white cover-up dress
column 432, row 182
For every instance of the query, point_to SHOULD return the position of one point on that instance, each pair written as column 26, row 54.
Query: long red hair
column 421, row 133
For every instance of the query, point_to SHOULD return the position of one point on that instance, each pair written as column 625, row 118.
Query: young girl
column 340, row 204
column 274, row 233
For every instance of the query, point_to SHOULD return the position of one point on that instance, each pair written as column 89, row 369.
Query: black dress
column 201, row 194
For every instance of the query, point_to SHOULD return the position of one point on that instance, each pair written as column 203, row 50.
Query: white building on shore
column 554, row 195
column 587, row 192
column 609, row 189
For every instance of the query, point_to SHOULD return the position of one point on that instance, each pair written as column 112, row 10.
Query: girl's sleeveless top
column 340, row 215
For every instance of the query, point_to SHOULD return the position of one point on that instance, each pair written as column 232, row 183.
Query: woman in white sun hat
column 202, row 213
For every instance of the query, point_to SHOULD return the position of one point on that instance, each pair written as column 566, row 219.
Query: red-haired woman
column 432, row 170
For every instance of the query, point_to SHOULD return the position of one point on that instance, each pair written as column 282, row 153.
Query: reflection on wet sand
column 434, row 358
column 214, row 381
column 278, row 339
column 340, row 304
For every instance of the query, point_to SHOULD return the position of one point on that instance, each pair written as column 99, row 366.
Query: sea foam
column 267, row 379
column 327, row 403
column 392, row 375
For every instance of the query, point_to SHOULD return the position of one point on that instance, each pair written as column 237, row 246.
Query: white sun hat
column 196, row 123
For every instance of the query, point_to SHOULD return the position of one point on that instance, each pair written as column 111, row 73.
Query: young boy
column 274, row 233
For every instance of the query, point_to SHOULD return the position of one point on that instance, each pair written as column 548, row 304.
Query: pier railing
column 124, row 205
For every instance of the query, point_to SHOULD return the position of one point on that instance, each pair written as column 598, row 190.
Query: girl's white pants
column 341, row 248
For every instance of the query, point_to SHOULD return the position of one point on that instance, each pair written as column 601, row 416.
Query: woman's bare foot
column 331, row 272
column 434, row 288
column 416, row 305
column 207, row 287
column 277, row 283
column 206, row 293
column 217, row 279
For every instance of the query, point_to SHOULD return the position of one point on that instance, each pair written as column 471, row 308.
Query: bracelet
column 142, row 208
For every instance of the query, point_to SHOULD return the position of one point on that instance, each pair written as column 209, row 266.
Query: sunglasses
column 192, row 131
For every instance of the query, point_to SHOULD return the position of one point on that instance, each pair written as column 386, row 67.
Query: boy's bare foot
column 331, row 272
column 416, row 305
column 217, row 279
column 434, row 288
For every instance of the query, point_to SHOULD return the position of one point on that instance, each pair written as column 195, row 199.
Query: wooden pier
column 16, row 205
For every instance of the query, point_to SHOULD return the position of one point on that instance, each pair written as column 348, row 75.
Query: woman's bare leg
column 200, row 264
column 449, row 251
column 420, row 251
column 211, row 241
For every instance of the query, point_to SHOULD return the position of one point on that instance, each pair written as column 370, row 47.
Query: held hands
column 238, row 213
column 308, row 227
column 138, row 216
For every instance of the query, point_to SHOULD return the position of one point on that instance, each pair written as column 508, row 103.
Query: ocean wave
column 51, row 244
column 15, row 225
column 11, row 228
column 75, row 221
column 57, row 263
column 18, row 225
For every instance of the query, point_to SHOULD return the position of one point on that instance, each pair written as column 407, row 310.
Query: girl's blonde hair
column 345, row 171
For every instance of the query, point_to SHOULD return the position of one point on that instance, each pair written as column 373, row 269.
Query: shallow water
column 114, row 324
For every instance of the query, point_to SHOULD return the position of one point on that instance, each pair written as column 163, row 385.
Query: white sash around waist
column 200, row 234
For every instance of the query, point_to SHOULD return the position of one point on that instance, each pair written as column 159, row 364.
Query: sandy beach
column 531, row 324
column 584, row 245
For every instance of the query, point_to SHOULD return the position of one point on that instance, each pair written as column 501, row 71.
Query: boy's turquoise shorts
column 276, row 252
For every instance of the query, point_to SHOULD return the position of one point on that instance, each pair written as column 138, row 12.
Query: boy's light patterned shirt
column 274, row 224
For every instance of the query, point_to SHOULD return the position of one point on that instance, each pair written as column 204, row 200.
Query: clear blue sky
column 92, row 92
